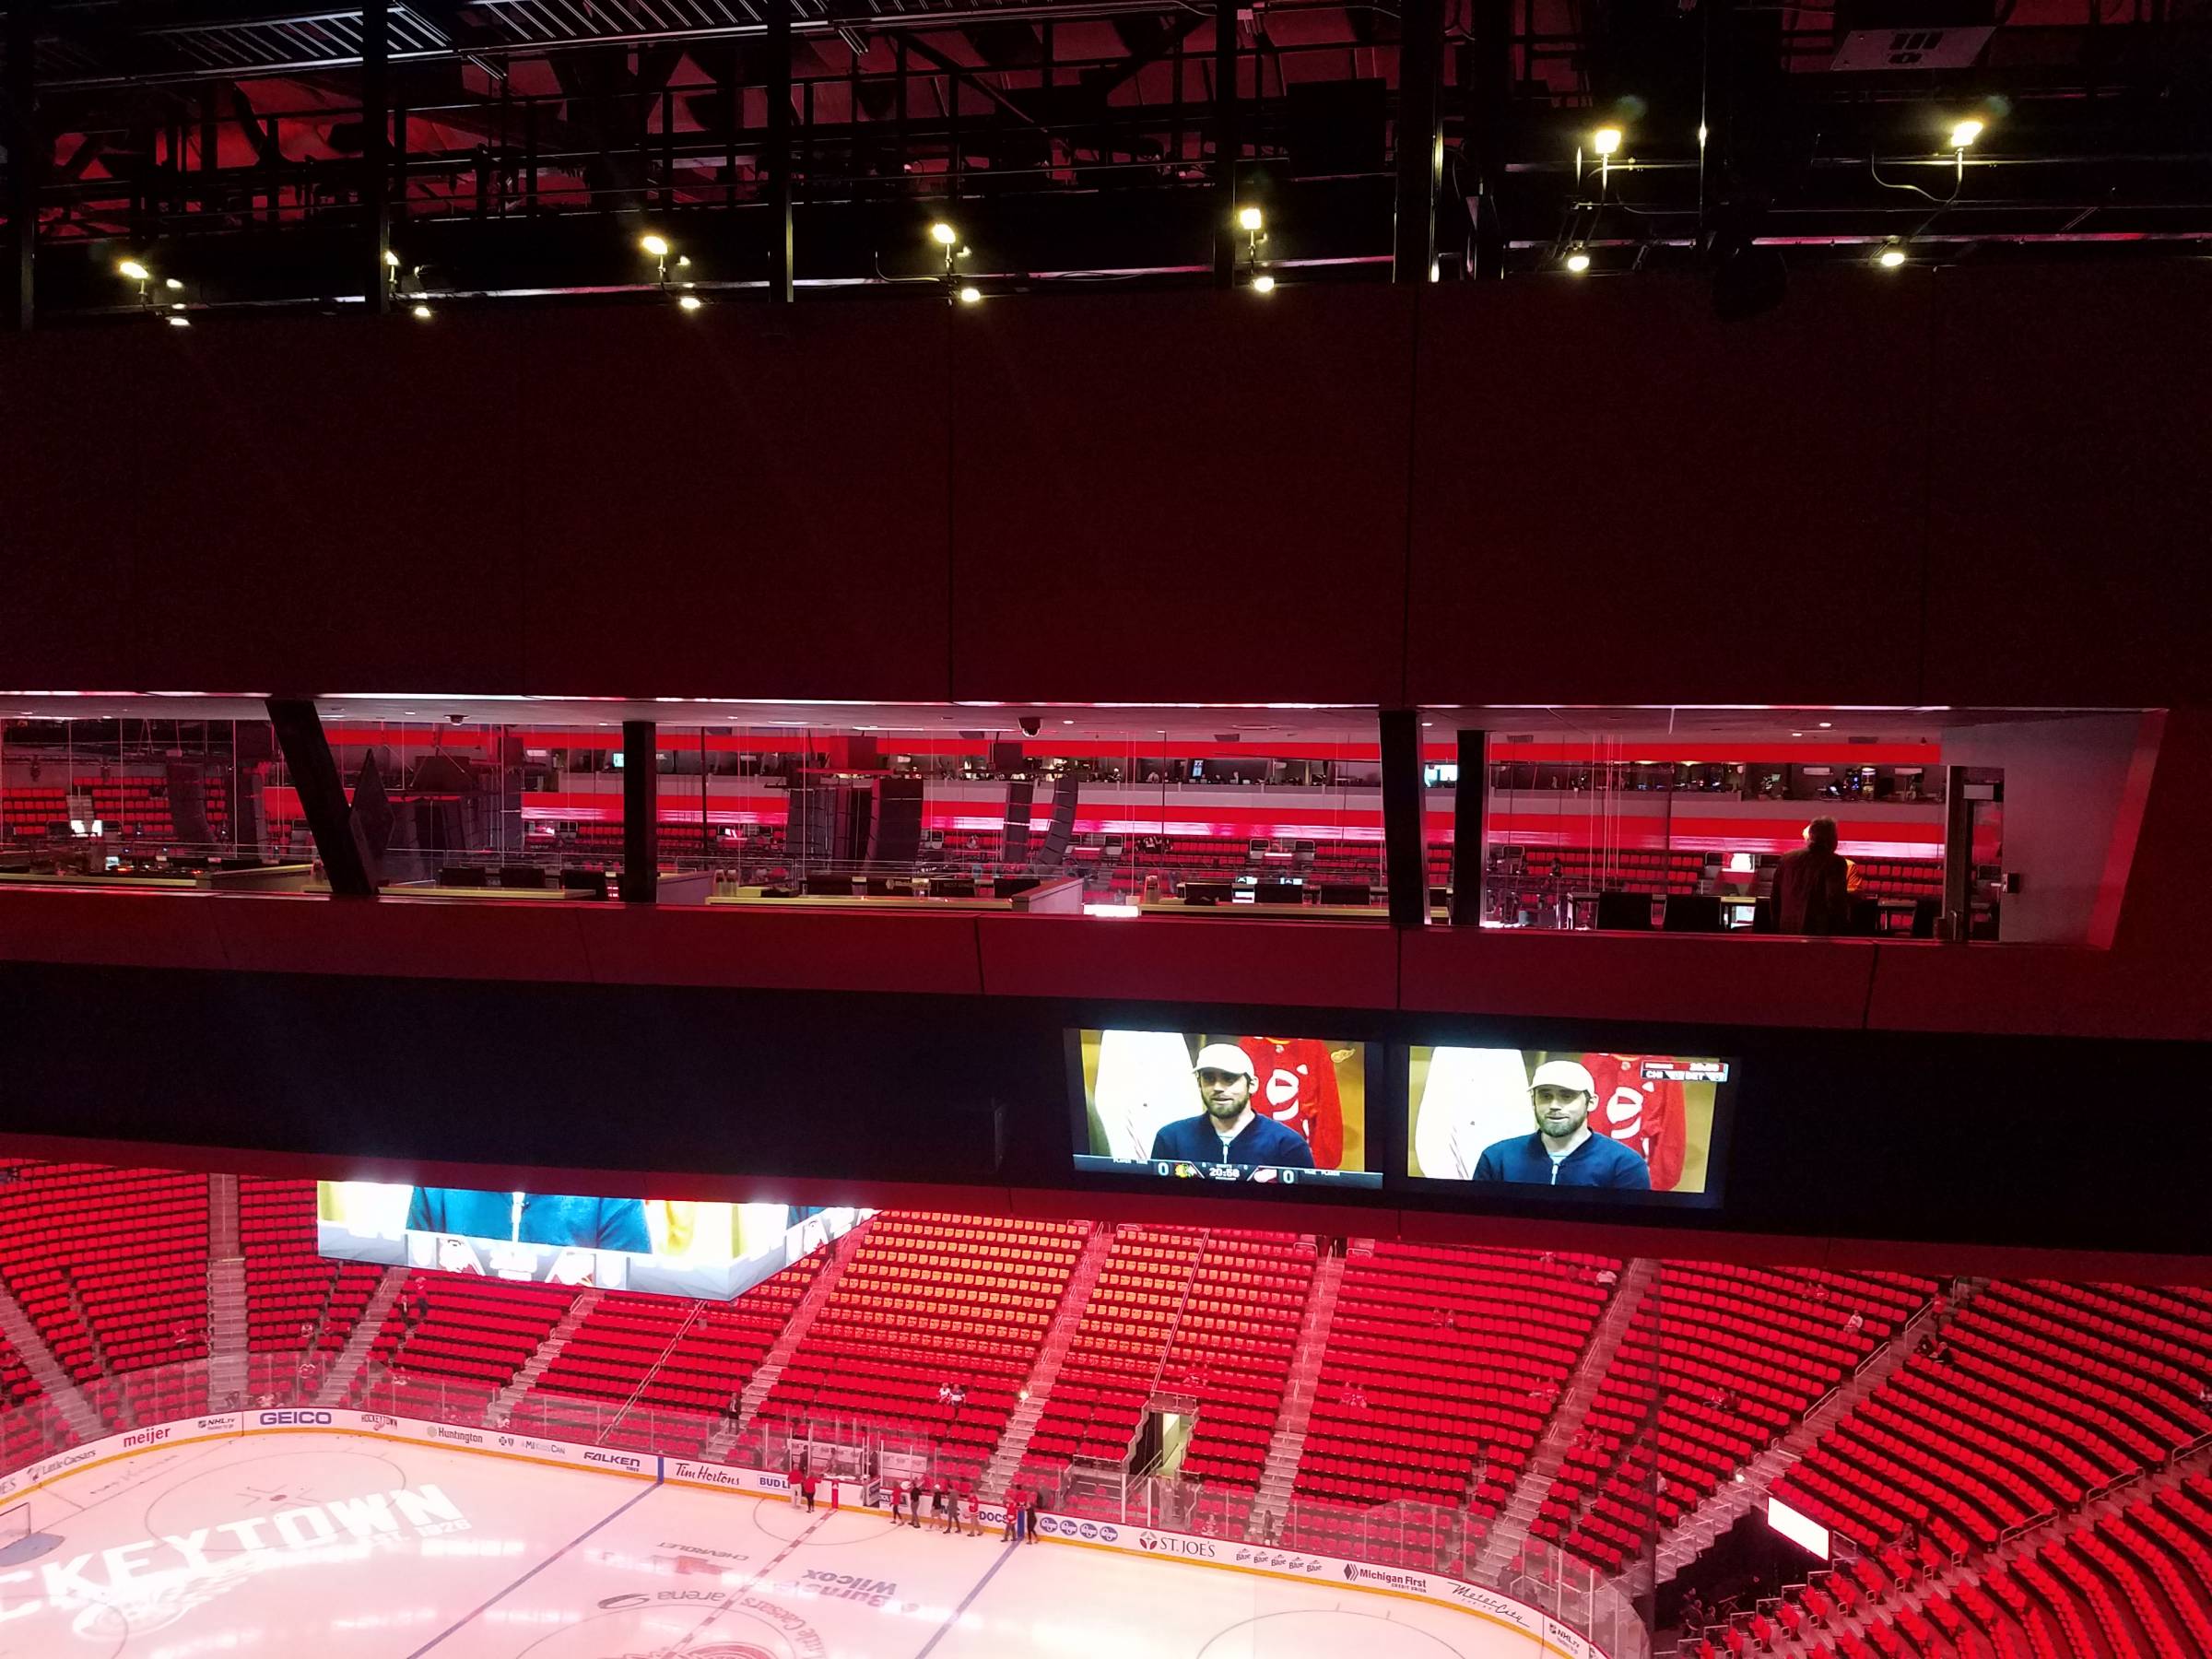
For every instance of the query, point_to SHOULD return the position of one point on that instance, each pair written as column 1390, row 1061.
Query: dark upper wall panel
column 1180, row 497
column 744, row 503
column 1619, row 499
column 2071, row 499
column 251, row 506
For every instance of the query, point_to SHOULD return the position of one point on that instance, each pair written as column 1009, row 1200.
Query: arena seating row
column 1443, row 1364
column 1742, row 1354
column 674, row 1355
column 452, row 1337
column 1211, row 1316
column 2133, row 1583
column 295, row 1298
column 926, row 1301
column 2040, row 1396
column 110, row 1264
column 139, row 808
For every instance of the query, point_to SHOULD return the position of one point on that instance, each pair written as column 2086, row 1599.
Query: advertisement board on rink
column 1159, row 1543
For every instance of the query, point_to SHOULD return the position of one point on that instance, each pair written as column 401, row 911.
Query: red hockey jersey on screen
column 1648, row 1114
column 1298, row 1087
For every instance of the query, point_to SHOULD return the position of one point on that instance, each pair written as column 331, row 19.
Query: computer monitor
column 1345, row 892
column 1208, row 892
column 1279, row 892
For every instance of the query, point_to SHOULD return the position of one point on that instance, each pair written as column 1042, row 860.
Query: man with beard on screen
column 1226, row 1130
column 1563, row 1152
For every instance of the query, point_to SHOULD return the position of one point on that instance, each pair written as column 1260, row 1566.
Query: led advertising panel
column 671, row 1246
column 1285, row 1111
column 1604, row 1126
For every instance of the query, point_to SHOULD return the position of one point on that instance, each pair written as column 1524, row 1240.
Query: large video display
column 1568, row 1122
column 1221, row 1106
column 671, row 1246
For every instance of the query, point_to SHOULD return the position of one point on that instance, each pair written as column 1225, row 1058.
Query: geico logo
column 292, row 1419
column 619, row 1460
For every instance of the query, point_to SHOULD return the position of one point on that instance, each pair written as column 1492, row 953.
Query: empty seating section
column 1118, row 1353
column 26, row 1434
column 471, row 1337
column 2041, row 1396
column 1211, row 1316
column 2133, row 1583
column 110, row 1264
column 295, row 1298
column 927, row 1300
column 673, row 1355
column 1443, row 1364
column 1743, row 1353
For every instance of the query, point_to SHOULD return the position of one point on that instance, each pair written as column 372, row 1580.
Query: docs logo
column 296, row 1420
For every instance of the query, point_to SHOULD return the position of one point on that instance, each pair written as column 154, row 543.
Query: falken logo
column 619, row 1460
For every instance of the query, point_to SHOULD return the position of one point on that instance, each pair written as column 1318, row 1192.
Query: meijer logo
column 294, row 1419
column 145, row 1437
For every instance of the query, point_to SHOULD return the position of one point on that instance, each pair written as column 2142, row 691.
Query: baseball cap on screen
column 1564, row 1073
column 1229, row 1058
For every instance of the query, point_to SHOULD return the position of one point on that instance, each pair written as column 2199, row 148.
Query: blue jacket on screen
column 547, row 1218
column 1262, row 1141
column 1597, row 1162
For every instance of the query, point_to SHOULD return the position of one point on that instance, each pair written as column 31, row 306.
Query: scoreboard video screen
column 669, row 1246
column 1568, row 1122
column 1224, row 1106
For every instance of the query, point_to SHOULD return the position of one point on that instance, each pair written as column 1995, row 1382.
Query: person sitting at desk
column 1226, row 1130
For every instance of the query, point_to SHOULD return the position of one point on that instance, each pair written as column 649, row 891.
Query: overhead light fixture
column 657, row 246
column 422, row 313
column 1262, row 284
column 1578, row 262
column 689, row 302
column 1826, row 724
column 972, row 295
column 1249, row 218
column 176, row 321
column 943, row 234
column 392, row 259
column 172, row 285
column 1606, row 140
column 1964, row 133
column 1890, row 258
column 132, row 270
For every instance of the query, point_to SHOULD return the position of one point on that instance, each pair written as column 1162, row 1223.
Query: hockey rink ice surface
column 342, row 1547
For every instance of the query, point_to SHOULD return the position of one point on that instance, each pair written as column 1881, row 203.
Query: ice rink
column 340, row 1547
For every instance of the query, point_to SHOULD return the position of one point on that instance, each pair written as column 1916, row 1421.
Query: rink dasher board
column 1227, row 1555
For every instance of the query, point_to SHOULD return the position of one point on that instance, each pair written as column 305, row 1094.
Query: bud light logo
column 297, row 1419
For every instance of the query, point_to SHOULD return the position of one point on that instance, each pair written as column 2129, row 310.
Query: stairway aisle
column 842, row 1251
column 53, row 1381
column 337, row 1383
column 1509, row 1529
column 229, row 1331
column 1279, row 1469
column 1014, row 1445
